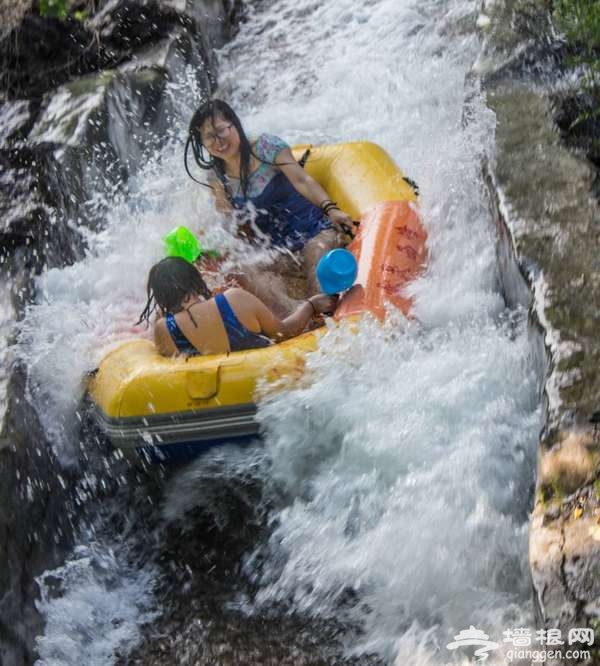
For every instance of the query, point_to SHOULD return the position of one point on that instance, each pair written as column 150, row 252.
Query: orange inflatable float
column 390, row 246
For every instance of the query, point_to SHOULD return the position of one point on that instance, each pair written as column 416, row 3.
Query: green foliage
column 54, row 8
column 60, row 9
column 579, row 20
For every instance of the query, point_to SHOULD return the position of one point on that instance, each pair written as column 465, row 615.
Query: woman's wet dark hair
column 170, row 282
column 211, row 110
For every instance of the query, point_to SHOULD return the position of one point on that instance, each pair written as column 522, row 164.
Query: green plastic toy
column 181, row 242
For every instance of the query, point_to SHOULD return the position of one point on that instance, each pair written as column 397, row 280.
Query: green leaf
column 54, row 8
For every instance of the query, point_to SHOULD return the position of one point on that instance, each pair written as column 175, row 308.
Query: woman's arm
column 294, row 324
column 307, row 186
column 162, row 339
column 222, row 203
column 282, row 329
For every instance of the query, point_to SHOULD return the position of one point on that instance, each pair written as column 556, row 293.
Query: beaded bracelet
column 328, row 205
column 312, row 305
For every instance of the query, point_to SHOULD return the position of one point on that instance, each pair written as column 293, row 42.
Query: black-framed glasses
column 222, row 133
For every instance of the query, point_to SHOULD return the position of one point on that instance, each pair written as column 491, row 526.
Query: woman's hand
column 309, row 188
column 236, row 278
column 341, row 220
column 245, row 232
column 322, row 303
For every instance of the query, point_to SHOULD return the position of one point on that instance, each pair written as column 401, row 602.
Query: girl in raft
column 261, row 181
column 191, row 321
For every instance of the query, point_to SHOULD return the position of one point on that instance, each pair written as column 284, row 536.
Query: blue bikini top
column 238, row 335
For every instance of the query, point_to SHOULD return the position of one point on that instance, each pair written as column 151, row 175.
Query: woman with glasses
column 273, row 197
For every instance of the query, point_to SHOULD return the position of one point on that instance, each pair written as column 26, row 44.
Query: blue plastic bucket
column 336, row 271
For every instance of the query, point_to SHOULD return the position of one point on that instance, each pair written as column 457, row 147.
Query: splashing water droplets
column 403, row 465
column 408, row 457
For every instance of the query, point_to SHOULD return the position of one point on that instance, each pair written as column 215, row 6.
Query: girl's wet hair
column 170, row 282
column 211, row 110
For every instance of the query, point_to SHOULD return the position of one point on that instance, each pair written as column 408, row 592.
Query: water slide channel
column 396, row 484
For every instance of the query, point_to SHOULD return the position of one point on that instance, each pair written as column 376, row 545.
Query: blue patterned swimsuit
column 281, row 212
column 238, row 335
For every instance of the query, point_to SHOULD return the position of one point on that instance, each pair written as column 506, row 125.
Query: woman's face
column 220, row 137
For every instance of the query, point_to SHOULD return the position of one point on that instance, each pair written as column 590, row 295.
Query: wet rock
column 546, row 545
column 96, row 129
column 33, row 187
column 40, row 53
column 577, row 116
column 12, row 13
column 570, row 464
column 544, row 193
column 129, row 24
column 200, row 623
column 109, row 120
column 520, row 41
column 582, row 562
column 35, row 523
column 16, row 120
column 553, row 217
column 551, row 514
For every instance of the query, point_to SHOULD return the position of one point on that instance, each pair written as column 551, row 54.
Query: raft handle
column 412, row 183
column 304, row 159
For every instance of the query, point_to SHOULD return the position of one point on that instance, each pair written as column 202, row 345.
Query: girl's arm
column 282, row 329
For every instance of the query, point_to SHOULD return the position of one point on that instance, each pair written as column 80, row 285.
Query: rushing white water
column 6, row 322
column 409, row 455
column 82, row 311
column 94, row 604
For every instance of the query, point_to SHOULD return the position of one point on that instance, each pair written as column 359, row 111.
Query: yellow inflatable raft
column 174, row 408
